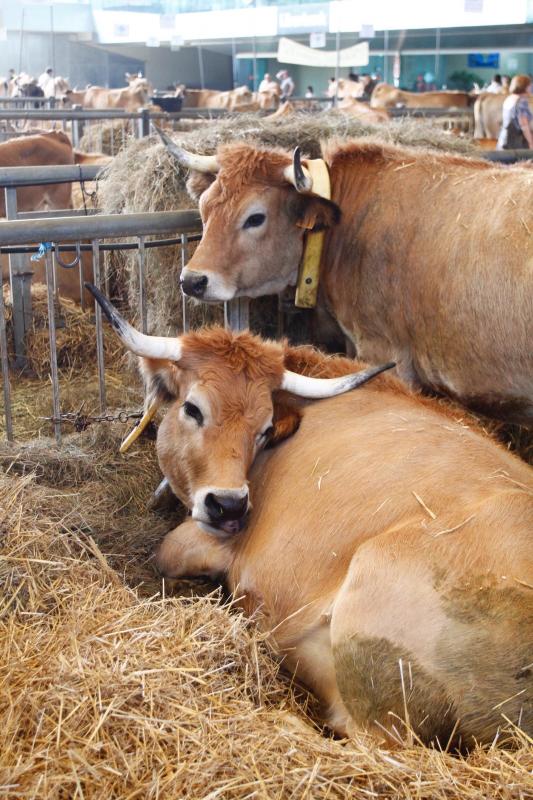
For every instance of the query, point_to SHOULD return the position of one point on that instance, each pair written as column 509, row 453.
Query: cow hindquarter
column 430, row 636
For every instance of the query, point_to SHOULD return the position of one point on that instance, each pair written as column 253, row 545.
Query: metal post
column 143, row 311
column 76, row 128
column 5, row 371
column 437, row 57
column 201, row 67
column 237, row 314
column 337, row 66
column 234, row 62
column 56, row 409
column 143, row 123
column 386, row 57
column 99, row 328
column 21, row 39
column 20, row 281
column 184, row 301
column 53, row 40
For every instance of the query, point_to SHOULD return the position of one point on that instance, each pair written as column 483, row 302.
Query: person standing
column 495, row 86
column 286, row 84
column 516, row 133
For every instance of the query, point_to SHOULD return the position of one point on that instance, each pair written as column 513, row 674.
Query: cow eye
column 265, row 435
column 193, row 411
column 254, row 221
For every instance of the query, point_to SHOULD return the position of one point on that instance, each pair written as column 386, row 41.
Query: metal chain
column 82, row 421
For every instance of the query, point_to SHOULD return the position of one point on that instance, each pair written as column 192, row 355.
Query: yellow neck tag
column 143, row 423
column 309, row 273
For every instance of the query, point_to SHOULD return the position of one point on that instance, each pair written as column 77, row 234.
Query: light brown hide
column 388, row 542
column 386, row 96
column 431, row 264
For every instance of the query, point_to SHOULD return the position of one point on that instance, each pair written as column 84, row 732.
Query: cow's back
column 359, row 465
column 45, row 149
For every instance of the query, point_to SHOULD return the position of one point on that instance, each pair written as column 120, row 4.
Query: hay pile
column 143, row 177
column 115, row 691
column 75, row 335
column 106, row 137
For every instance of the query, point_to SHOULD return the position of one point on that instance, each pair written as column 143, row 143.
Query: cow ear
column 315, row 213
column 285, row 421
column 161, row 378
column 198, row 182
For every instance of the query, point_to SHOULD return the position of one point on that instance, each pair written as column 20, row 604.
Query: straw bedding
column 111, row 689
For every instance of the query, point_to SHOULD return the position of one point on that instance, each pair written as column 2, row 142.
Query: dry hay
column 109, row 689
column 106, row 137
column 75, row 334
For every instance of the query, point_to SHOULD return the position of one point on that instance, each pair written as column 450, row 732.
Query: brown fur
column 414, row 271
column 44, row 149
column 386, row 96
column 388, row 549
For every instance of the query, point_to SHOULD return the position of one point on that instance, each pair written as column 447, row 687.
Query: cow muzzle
column 194, row 284
column 222, row 511
column 211, row 287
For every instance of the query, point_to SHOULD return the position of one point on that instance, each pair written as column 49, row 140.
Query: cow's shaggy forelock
column 241, row 353
column 242, row 165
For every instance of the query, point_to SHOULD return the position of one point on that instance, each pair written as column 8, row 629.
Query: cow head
column 256, row 206
column 220, row 387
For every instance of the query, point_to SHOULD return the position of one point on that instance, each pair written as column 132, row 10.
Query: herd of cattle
column 139, row 93
column 380, row 535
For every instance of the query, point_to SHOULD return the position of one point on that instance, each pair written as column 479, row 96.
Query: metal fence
column 93, row 234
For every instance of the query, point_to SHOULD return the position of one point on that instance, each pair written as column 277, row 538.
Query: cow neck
column 309, row 271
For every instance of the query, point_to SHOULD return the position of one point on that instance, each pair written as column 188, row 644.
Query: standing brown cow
column 45, row 149
column 428, row 258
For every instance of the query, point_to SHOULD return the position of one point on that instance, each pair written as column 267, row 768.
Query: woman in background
column 516, row 131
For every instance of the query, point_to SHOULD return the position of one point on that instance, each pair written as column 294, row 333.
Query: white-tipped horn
column 186, row 159
column 137, row 342
column 297, row 174
column 319, row 388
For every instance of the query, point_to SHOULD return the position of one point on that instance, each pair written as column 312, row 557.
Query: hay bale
column 114, row 691
column 106, row 137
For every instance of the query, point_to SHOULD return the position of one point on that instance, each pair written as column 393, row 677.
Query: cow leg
column 385, row 626
column 310, row 658
column 187, row 550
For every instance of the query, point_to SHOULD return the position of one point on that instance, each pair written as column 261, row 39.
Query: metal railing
column 12, row 178
column 22, row 234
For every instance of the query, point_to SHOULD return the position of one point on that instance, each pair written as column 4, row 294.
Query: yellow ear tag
column 143, row 423
column 309, row 273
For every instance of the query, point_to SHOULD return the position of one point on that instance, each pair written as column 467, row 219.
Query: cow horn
column 297, row 174
column 135, row 341
column 318, row 388
column 190, row 160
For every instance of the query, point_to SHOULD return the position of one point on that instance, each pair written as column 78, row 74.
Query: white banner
column 290, row 52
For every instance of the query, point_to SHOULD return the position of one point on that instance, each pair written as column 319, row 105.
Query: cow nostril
column 226, row 507
column 194, row 286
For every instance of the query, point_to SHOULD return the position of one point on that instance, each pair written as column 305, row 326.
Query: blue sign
column 491, row 60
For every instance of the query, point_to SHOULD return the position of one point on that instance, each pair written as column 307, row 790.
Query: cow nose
column 194, row 284
column 226, row 508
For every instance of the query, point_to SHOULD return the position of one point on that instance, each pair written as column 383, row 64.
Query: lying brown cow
column 428, row 259
column 388, row 545
column 386, row 96
column 45, row 149
column 238, row 99
column 129, row 98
